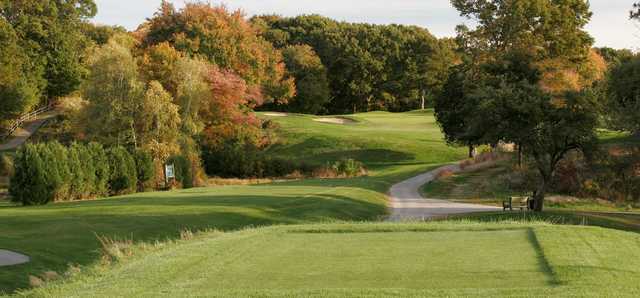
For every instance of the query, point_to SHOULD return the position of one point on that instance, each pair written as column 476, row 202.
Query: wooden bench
column 511, row 203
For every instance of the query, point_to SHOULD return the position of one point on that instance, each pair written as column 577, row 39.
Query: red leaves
column 228, row 112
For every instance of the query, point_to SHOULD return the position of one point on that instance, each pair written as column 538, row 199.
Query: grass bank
column 402, row 145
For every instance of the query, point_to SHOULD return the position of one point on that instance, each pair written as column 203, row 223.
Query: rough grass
column 62, row 234
column 480, row 186
column 445, row 259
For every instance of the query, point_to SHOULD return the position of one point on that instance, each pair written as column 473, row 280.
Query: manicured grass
column 61, row 234
column 377, row 139
column 375, row 260
column 611, row 220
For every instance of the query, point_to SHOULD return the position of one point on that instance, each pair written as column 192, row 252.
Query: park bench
column 522, row 203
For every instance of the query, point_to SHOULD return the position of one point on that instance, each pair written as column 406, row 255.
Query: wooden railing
column 24, row 118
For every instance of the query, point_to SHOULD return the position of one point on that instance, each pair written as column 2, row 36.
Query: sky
column 609, row 26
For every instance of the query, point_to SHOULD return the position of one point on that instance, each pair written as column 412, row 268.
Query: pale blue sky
column 610, row 25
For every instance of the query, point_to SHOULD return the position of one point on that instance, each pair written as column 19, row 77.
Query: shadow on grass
column 619, row 221
column 61, row 234
column 544, row 264
column 321, row 150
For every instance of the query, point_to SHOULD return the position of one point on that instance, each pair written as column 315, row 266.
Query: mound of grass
column 378, row 260
column 402, row 146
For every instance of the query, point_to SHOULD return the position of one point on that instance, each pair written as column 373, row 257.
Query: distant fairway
column 380, row 260
column 378, row 138
column 394, row 146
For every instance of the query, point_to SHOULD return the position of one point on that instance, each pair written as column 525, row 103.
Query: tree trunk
column 519, row 156
column 472, row 151
column 539, row 196
column 423, row 101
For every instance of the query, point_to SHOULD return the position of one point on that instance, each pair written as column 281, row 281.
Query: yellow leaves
column 560, row 75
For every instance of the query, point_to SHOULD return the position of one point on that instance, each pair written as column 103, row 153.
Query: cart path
column 9, row 258
column 407, row 204
column 22, row 134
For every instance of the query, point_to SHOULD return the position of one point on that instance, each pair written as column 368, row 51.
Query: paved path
column 9, row 258
column 22, row 134
column 407, row 204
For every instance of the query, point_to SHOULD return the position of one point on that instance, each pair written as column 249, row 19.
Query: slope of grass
column 376, row 260
column 378, row 139
column 61, row 234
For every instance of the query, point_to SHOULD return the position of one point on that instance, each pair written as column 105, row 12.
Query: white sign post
column 169, row 172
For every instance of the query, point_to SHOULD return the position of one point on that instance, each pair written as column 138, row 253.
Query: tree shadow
column 327, row 149
column 543, row 262
column 62, row 234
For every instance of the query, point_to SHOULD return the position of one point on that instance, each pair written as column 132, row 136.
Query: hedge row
column 50, row 172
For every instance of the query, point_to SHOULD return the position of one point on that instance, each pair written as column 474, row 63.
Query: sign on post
column 169, row 172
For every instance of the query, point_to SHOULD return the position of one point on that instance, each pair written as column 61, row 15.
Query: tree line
column 362, row 67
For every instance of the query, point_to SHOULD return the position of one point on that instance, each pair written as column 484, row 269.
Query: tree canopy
column 225, row 39
column 370, row 67
column 526, row 76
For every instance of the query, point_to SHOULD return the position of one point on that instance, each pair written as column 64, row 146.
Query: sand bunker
column 9, row 258
column 276, row 114
column 335, row 120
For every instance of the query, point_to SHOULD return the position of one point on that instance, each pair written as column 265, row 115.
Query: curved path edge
column 407, row 204
column 10, row 258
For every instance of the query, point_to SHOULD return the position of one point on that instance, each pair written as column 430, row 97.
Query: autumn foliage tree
column 226, row 40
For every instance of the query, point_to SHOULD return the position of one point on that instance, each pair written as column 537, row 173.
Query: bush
column 145, row 170
column 101, row 167
column 51, row 172
column 28, row 185
column 349, row 168
column 55, row 159
column 233, row 159
column 122, row 173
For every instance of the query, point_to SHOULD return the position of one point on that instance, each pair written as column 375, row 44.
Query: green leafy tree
column 546, row 129
column 531, row 82
column 312, row 84
column 369, row 67
column 21, row 82
column 50, row 34
column 455, row 108
column 622, row 100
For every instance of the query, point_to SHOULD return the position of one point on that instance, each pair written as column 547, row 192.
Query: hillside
column 61, row 234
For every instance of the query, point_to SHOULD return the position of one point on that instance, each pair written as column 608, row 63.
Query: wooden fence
column 24, row 118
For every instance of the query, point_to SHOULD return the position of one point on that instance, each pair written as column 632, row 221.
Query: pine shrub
column 29, row 184
column 145, row 170
column 123, row 175
column 101, row 167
